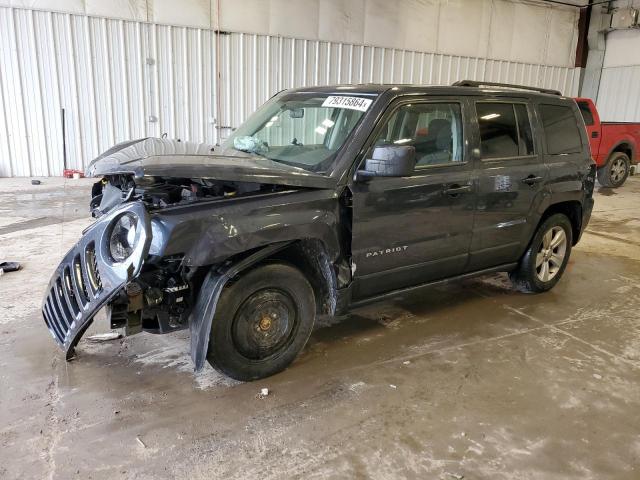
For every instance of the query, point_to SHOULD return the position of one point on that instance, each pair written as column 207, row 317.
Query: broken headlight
column 123, row 237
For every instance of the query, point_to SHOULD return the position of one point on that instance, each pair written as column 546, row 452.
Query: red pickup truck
column 614, row 145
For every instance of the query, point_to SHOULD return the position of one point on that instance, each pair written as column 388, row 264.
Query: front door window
column 434, row 129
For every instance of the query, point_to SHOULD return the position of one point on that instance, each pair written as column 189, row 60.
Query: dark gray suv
column 325, row 199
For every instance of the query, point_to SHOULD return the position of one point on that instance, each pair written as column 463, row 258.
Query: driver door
column 415, row 229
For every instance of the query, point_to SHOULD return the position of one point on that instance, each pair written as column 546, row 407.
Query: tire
column 529, row 276
column 262, row 321
column 615, row 172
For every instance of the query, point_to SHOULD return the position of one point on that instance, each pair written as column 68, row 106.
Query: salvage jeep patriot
column 325, row 199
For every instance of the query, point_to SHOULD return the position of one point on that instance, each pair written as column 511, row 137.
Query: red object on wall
column 68, row 173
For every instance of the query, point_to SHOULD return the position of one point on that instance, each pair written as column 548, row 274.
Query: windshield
column 301, row 129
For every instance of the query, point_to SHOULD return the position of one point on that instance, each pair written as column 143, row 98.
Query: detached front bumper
column 88, row 278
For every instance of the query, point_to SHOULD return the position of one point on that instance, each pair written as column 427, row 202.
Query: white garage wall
column 119, row 79
column 619, row 92
column 528, row 32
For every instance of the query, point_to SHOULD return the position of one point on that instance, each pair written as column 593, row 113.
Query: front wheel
column 262, row 321
column 546, row 258
column 615, row 172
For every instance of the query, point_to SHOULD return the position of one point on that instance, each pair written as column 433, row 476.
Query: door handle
column 455, row 189
column 594, row 134
column 532, row 180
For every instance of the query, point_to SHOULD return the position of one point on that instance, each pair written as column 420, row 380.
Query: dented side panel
column 209, row 236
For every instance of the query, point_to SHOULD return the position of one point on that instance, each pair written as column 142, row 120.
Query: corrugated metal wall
column 118, row 80
column 619, row 94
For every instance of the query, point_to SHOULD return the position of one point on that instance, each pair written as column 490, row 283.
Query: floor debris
column 142, row 444
column 6, row 267
column 263, row 393
column 104, row 337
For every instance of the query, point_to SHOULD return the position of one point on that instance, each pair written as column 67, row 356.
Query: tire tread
column 524, row 277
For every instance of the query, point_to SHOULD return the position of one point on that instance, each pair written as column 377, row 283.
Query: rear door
column 511, row 178
column 566, row 149
column 415, row 229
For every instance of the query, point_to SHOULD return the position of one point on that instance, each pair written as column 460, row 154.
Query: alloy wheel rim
column 551, row 253
column 617, row 170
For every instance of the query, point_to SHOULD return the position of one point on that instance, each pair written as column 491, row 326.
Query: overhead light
column 269, row 124
column 490, row 116
column 403, row 140
column 274, row 118
column 321, row 130
column 328, row 123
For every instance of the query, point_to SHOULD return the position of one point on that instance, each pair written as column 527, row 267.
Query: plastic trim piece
column 202, row 314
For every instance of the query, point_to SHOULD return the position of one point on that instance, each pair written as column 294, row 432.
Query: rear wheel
column 261, row 323
column 615, row 172
column 546, row 258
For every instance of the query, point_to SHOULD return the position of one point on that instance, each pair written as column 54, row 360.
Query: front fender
column 208, row 234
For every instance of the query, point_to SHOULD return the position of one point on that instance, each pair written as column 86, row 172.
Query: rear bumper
column 587, row 208
column 87, row 278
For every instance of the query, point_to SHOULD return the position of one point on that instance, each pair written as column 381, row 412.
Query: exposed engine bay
column 160, row 299
column 169, row 216
column 160, row 192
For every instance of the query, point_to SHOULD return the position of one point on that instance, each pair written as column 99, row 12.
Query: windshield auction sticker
column 352, row 103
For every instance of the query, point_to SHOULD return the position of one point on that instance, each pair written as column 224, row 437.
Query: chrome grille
column 69, row 291
column 87, row 278
column 92, row 268
column 79, row 281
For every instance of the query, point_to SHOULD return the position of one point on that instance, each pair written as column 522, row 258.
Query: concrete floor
column 473, row 380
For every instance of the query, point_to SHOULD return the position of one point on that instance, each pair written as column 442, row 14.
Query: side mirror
column 390, row 161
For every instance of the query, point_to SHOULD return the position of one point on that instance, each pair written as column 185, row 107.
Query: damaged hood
column 161, row 157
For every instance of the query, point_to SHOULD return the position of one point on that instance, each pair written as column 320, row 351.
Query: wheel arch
column 625, row 146
column 310, row 256
column 572, row 209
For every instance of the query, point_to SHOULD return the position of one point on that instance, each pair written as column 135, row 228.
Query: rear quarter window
column 561, row 131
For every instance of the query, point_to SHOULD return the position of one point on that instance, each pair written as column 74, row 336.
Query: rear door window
column 560, row 129
column 586, row 113
column 505, row 130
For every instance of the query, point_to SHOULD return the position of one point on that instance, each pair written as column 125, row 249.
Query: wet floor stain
column 606, row 191
column 29, row 224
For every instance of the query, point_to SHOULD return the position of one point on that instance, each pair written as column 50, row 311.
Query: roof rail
column 474, row 83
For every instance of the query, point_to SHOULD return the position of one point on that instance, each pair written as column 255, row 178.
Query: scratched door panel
column 510, row 180
column 408, row 231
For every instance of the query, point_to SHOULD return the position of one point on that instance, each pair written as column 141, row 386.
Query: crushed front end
column 95, row 271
